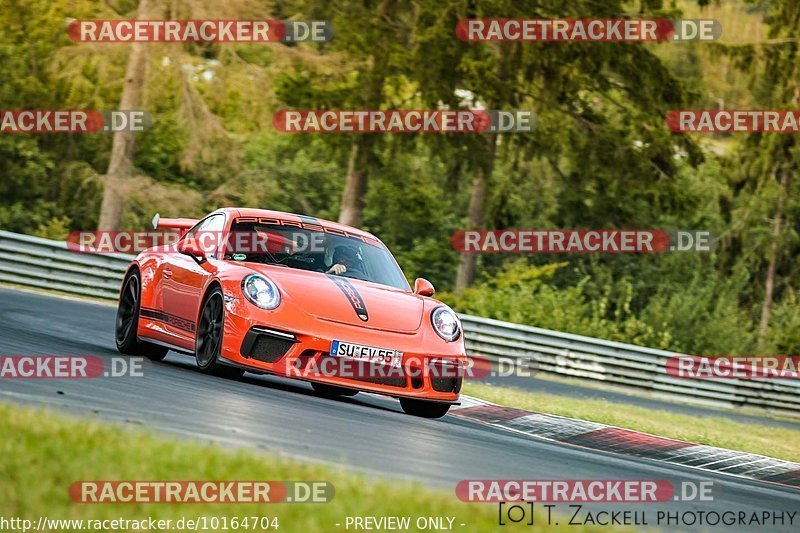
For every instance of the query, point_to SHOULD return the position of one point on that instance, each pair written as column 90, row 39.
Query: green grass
column 773, row 441
column 42, row 454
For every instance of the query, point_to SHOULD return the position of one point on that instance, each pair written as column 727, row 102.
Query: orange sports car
column 292, row 295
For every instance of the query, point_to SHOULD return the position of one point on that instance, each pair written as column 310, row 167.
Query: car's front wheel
column 423, row 408
column 127, row 322
column 209, row 337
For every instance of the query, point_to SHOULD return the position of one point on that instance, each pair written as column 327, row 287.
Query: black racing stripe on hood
column 352, row 295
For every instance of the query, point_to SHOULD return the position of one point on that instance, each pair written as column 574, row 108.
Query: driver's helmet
column 348, row 256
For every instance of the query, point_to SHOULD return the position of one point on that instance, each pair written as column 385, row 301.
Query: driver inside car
column 345, row 259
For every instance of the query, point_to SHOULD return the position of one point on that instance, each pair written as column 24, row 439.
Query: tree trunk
column 476, row 217
column 120, row 165
column 356, row 181
column 769, row 288
column 358, row 166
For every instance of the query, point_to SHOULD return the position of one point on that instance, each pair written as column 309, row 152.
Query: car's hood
column 349, row 301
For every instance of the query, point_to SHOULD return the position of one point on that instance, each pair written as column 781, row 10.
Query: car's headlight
column 261, row 291
column 446, row 323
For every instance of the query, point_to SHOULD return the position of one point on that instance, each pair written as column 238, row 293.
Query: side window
column 209, row 230
column 215, row 226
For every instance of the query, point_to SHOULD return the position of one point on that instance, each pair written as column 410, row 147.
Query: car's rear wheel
column 424, row 408
column 209, row 337
column 127, row 322
column 332, row 390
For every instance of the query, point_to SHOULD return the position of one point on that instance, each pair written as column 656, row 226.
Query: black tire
column 209, row 337
column 127, row 322
column 424, row 408
column 332, row 390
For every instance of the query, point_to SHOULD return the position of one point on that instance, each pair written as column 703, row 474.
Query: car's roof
column 268, row 213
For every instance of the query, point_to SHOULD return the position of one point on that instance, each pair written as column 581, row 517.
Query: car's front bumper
column 431, row 369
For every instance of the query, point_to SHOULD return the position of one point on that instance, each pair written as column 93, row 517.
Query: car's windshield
column 325, row 250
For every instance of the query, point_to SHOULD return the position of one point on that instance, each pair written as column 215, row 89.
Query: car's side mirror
column 423, row 287
column 191, row 247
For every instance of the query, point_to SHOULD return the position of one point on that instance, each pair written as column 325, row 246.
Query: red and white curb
column 595, row 436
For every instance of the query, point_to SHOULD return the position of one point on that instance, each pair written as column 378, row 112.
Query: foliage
column 526, row 294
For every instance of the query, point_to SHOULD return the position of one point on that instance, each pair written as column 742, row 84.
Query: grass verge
column 773, row 441
column 42, row 454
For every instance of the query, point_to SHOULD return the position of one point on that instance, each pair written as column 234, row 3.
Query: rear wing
column 181, row 224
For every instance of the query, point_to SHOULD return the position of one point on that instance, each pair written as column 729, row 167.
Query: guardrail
column 43, row 263
column 623, row 364
column 47, row 264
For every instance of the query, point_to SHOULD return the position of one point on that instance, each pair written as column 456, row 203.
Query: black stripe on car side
column 173, row 320
column 352, row 295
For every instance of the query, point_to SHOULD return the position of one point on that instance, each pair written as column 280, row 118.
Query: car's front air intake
column 267, row 345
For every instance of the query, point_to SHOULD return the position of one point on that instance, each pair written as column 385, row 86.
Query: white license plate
column 381, row 356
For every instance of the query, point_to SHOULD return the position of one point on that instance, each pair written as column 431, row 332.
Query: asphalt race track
column 283, row 416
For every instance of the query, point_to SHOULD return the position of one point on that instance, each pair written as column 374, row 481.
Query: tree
column 579, row 88
column 767, row 162
column 120, row 165
column 370, row 36
column 777, row 226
